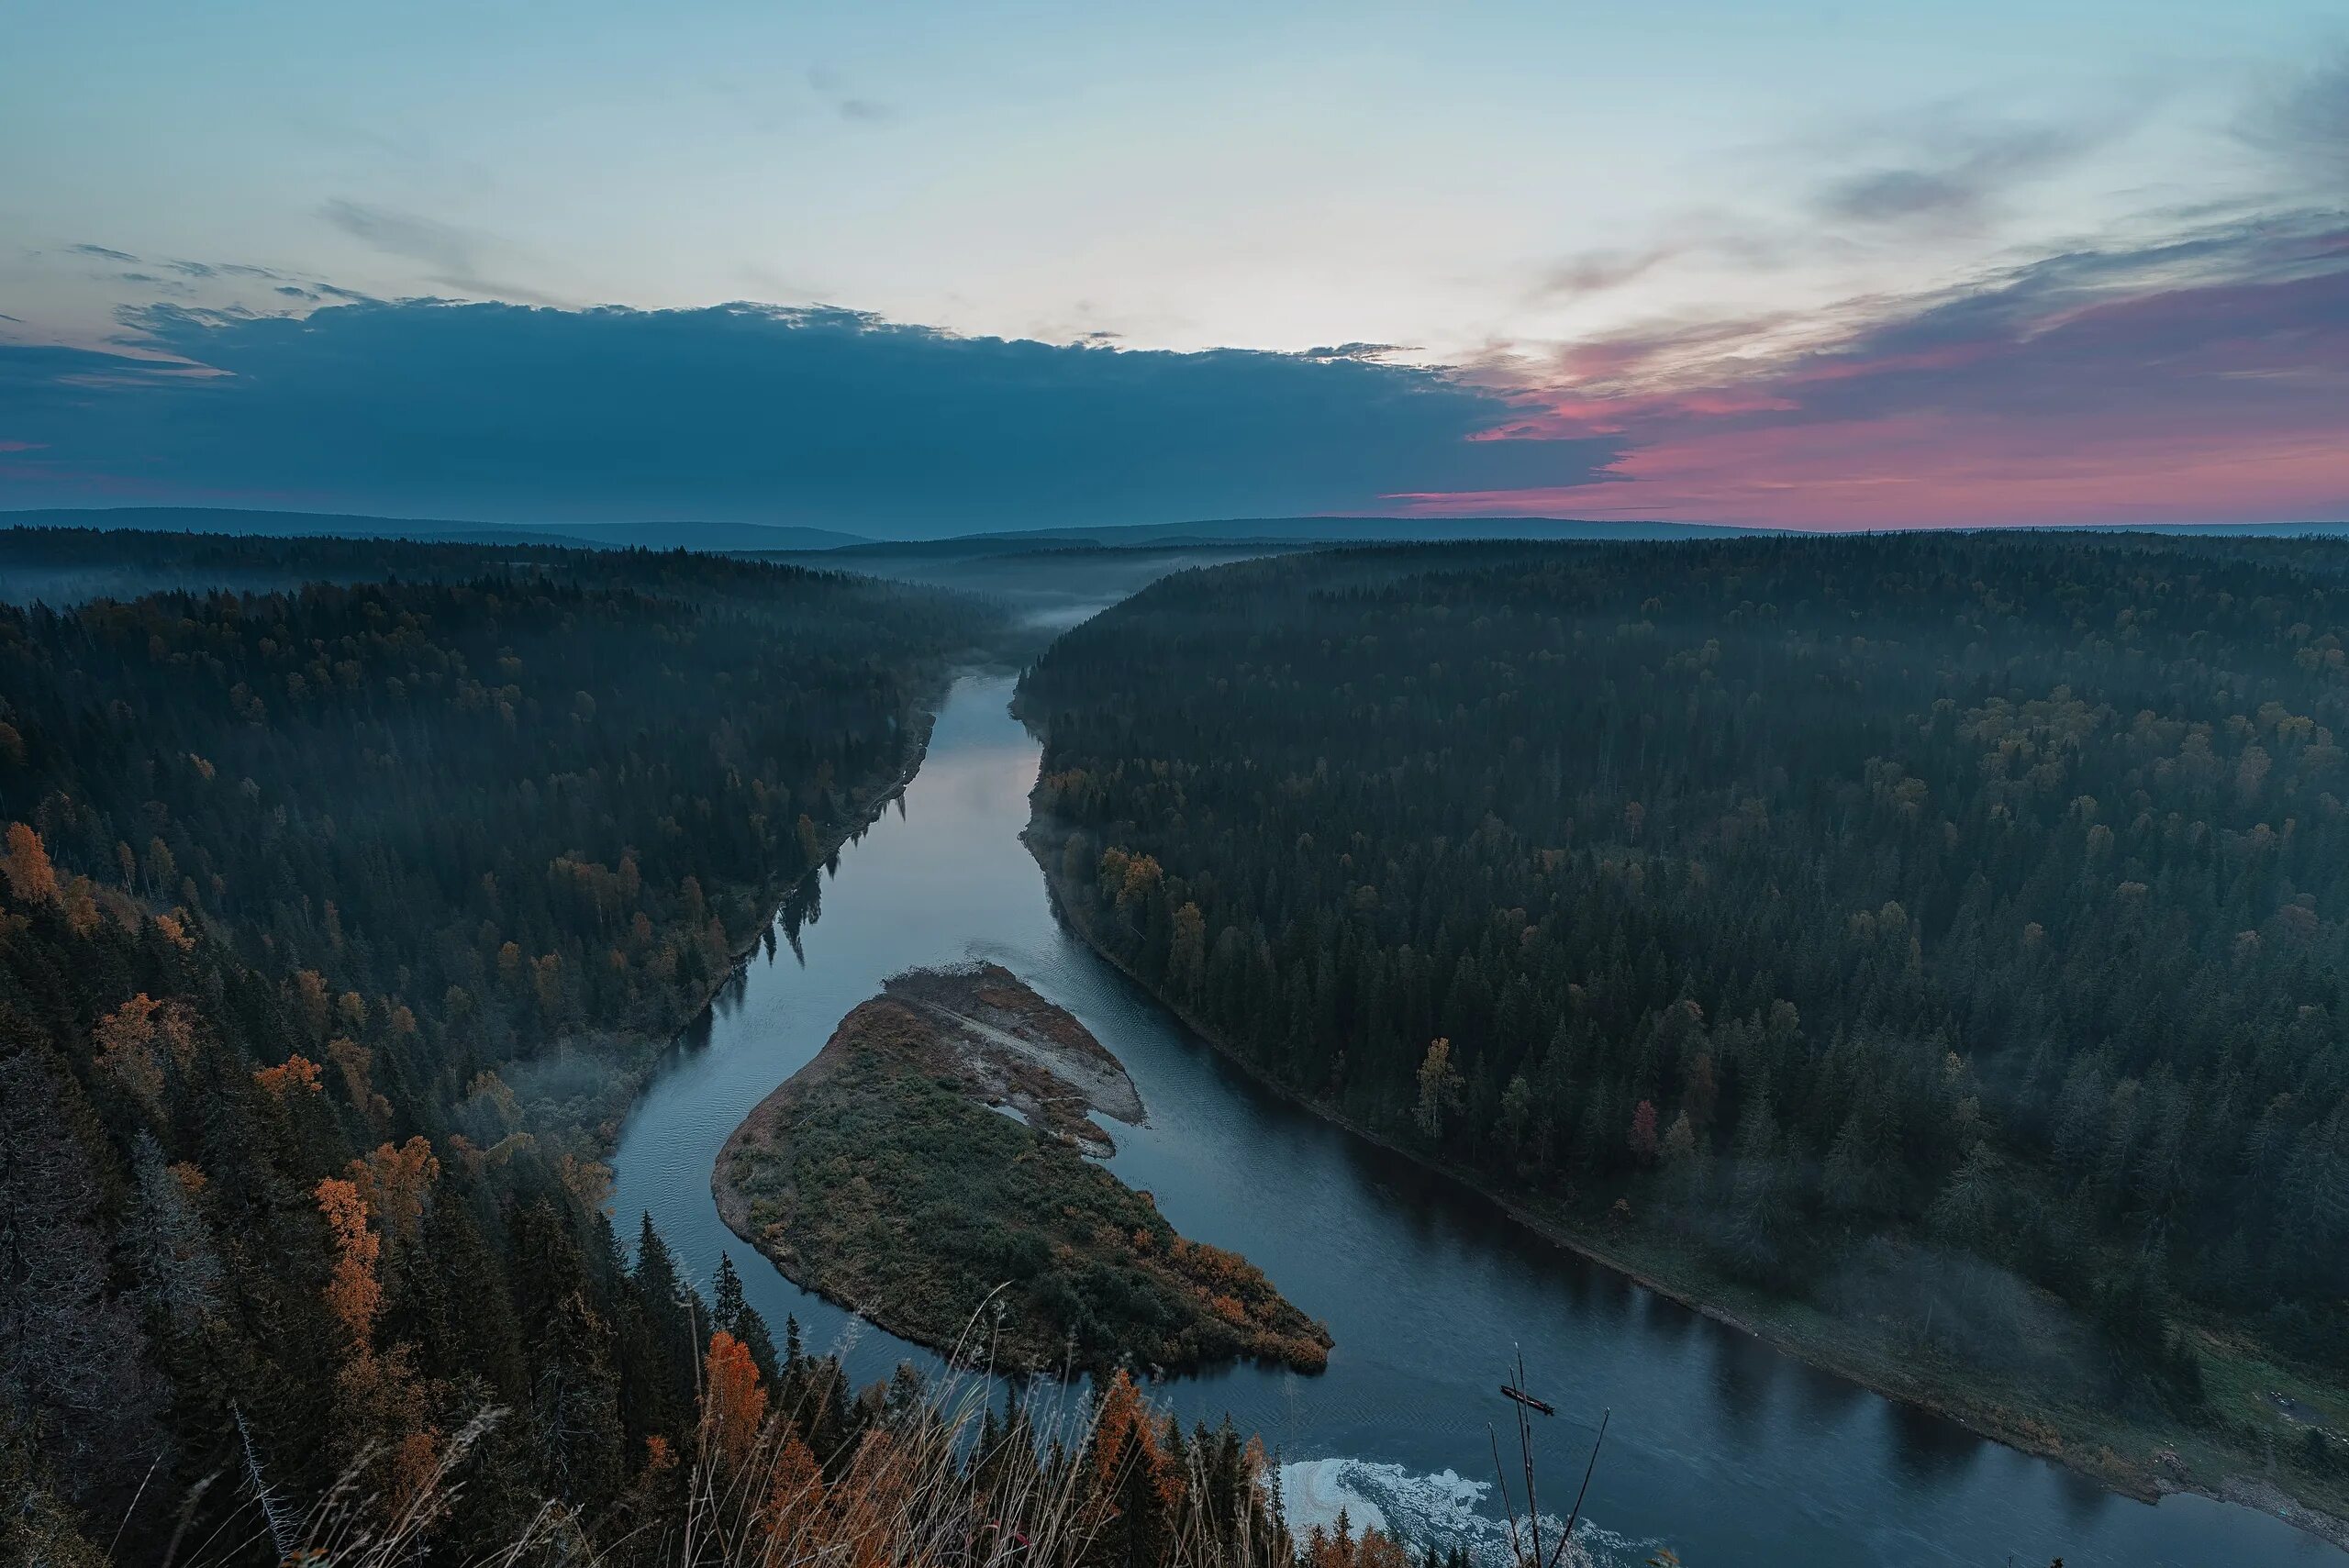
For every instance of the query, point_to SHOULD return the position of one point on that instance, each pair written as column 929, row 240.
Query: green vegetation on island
column 883, row 1176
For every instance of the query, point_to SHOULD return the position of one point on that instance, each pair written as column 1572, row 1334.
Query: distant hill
column 1319, row 530
column 1049, row 582
column 860, row 551
column 1154, row 549
column 61, row 565
column 1058, row 576
column 2335, row 528
column 763, row 537
column 686, row 535
column 703, row 536
column 1368, row 530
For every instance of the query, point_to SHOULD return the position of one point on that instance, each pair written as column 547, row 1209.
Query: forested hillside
column 1878, row 921
column 222, row 1269
column 327, row 917
column 59, row 565
column 242, row 1323
column 472, row 818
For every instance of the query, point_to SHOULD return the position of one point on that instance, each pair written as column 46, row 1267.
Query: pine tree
column 730, row 1311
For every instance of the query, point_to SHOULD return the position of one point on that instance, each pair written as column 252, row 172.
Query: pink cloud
column 1936, row 470
column 2205, row 380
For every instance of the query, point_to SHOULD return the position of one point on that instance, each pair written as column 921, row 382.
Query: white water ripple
column 1445, row 1511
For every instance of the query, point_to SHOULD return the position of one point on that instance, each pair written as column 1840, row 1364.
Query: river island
column 930, row 1168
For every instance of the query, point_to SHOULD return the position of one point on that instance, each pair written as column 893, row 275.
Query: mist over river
column 1720, row 1447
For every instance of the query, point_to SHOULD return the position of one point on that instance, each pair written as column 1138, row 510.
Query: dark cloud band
column 747, row 412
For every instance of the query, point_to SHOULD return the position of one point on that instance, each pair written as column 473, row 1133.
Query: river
column 1721, row 1448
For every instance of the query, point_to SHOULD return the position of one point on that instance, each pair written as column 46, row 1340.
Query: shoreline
column 601, row 1138
column 814, row 1178
column 922, row 714
column 2136, row 1480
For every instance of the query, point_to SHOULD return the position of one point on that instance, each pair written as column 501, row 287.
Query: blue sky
column 1562, row 206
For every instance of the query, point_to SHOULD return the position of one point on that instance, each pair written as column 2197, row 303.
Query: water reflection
column 1664, row 1317
column 1719, row 1447
column 1825, row 1402
column 1742, row 1371
column 1930, row 1451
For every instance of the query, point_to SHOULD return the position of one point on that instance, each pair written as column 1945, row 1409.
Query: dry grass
column 937, row 1482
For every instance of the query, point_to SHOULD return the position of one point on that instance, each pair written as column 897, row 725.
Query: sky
column 914, row 269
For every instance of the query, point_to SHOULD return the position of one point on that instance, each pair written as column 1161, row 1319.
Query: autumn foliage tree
column 384, row 1417
column 31, row 878
column 1338, row 1546
column 1137, row 1482
column 734, row 1403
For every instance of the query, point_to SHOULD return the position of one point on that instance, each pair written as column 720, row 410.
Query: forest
column 473, row 819
column 1938, row 932
column 330, row 917
column 59, row 565
column 244, row 1323
column 337, row 919
column 1947, row 929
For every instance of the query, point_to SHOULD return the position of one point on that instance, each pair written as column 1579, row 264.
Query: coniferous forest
column 1947, row 934
column 330, row 915
column 472, row 818
column 338, row 920
column 1929, row 946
